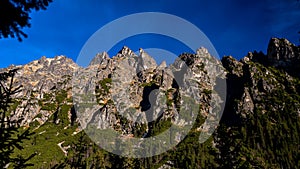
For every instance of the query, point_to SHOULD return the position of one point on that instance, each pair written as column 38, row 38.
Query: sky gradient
column 234, row 27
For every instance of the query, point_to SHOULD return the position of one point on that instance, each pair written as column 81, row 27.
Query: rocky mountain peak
column 201, row 51
column 100, row 58
column 125, row 51
column 56, row 59
column 146, row 60
column 41, row 79
column 281, row 52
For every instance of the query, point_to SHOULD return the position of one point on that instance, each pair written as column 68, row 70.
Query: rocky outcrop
column 41, row 80
column 262, row 96
column 281, row 54
column 255, row 77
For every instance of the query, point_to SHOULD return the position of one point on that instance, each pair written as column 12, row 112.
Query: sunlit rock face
column 133, row 92
column 41, row 80
column 123, row 92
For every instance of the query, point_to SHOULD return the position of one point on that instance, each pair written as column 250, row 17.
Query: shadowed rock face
column 262, row 91
column 254, row 77
column 282, row 52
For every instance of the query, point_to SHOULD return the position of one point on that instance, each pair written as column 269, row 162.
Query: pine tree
column 10, row 136
column 14, row 16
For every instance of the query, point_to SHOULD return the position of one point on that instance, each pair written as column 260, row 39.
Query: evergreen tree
column 14, row 16
column 10, row 136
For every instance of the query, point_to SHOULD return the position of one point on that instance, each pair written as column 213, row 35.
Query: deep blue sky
column 233, row 26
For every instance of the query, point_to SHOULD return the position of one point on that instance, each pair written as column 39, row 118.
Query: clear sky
column 233, row 26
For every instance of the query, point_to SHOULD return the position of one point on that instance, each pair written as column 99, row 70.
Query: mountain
column 212, row 113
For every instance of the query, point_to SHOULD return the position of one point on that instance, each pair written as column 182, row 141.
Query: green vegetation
column 48, row 106
column 207, row 91
column 11, row 137
column 160, row 126
column 105, row 84
column 45, row 139
column 268, row 137
column 102, row 90
column 148, row 84
column 60, row 96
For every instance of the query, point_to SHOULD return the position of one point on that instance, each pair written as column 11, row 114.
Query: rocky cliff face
column 262, row 108
column 281, row 54
column 132, row 95
column 114, row 92
column 42, row 82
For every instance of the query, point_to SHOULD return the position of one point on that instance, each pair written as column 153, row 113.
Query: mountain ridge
column 262, row 104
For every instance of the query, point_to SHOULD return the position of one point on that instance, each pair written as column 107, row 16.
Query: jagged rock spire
column 125, row 51
column 162, row 65
column 282, row 49
column 100, row 58
column 146, row 60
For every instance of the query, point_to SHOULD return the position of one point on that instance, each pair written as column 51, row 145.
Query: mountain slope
column 259, row 127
